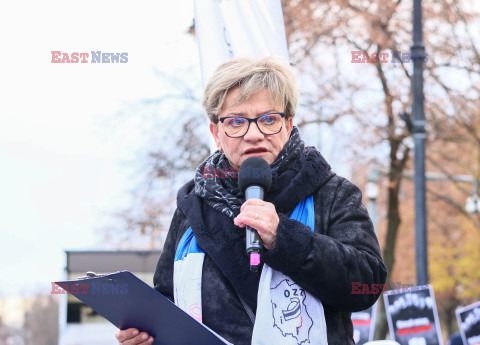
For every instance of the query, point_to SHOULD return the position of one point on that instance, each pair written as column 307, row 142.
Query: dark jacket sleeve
column 163, row 277
column 342, row 252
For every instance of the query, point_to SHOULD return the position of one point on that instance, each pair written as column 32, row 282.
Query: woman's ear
column 289, row 125
column 214, row 130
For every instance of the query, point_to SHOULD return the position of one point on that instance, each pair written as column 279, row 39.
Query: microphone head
column 255, row 171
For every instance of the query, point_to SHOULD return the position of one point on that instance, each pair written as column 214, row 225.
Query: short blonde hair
column 251, row 77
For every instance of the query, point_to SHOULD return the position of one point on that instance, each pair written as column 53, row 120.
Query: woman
column 310, row 263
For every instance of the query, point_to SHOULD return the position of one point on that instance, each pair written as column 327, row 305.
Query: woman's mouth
column 256, row 151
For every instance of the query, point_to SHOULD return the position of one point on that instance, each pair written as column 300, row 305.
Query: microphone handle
column 253, row 241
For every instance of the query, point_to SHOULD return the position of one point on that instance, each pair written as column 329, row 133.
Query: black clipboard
column 128, row 302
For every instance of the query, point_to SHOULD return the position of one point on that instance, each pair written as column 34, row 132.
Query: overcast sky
column 62, row 168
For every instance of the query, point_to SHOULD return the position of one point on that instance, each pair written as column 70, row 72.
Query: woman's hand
column 261, row 216
column 132, row 336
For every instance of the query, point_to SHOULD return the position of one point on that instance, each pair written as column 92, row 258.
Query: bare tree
column 326, row 39
column 176, row 140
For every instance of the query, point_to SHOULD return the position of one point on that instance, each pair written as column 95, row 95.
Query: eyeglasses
column 237, row 126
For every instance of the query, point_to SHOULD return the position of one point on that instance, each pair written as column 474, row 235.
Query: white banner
column 238, row 28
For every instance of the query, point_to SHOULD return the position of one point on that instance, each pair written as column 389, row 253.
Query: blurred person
column 303, row 290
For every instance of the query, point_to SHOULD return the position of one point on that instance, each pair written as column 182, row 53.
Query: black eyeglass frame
column 221, row 119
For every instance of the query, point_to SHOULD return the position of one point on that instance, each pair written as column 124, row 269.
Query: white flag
column 238, row 28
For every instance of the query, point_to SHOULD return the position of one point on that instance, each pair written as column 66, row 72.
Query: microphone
column 254, row 179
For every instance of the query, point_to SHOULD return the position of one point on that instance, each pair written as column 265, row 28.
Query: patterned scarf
column 217, row 182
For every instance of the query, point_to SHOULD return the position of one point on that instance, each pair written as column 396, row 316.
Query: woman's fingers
column 252, row 202
column 263, row 217
column 141, row 339
column 132, row 336
column 126, row 334
column 148, row 342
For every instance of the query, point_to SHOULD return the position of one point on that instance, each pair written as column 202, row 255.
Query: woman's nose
column 253, row 133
